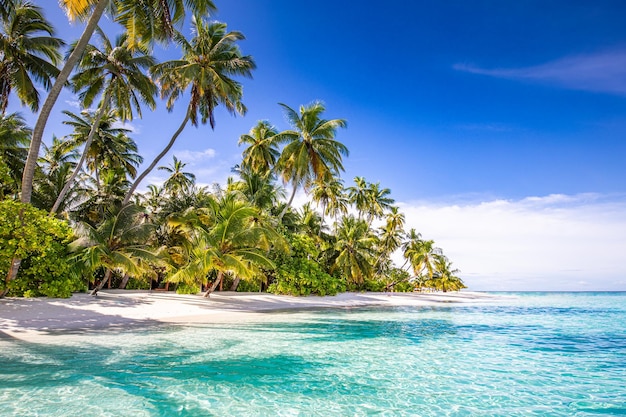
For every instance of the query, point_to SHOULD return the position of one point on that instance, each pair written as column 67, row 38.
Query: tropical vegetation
column 75, row 217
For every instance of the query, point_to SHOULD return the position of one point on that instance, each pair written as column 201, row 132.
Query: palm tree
column 110, row 146
column 262, row 151
column 311, row 151
column 420, row 253
column 358, row 195
column 14, row 139
column 116, row 73
column 210, row 60
column 226, row 238
column 138, row 17
column 444, row 277
column 377, row 201
column 57, row 164
column 119, row 243
column 28, row 55
column 390, row 235
column 355, row 246
column 258, row 189
column 178, row 181
column 93, row 10
column 329, row 192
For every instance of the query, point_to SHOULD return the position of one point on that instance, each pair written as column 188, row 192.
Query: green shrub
column 41, row 242
column 299, row 274
column 184, row 288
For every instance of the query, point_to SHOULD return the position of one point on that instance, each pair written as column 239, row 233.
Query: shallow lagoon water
column 557, row 354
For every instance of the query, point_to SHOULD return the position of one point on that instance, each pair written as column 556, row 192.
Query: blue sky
column 499, row 126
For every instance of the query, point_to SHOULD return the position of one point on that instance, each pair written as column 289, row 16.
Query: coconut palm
column 358, row 196
column 226, row 238
column 258, row 189
column 178, row 181
column 138, row 17
column 57, row 164
column 118, row 244
column 390, row 235
column 262, row 151
column 420, row 253
column 377, row 201
column 110, row 148
column 329, row 192
column 355, row 246
column 14, row 139
column 311, row 151
column 210, row 60
column 29, row 53
column 444, row 277
column 114, row 73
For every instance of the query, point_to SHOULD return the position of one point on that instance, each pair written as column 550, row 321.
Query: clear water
column 536, row 354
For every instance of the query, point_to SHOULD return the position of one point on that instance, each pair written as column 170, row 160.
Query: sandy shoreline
column 37, row 319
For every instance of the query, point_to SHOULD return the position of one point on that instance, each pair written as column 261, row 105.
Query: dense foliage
column 244, row 235
column 41, row 242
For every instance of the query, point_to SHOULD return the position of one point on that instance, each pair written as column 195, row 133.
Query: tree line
column 73, row 218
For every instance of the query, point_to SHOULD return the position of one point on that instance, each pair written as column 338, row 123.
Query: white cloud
column 556, row 242
column 128, row 126
column 195, row 156
column 599, row 72
column 73, row 103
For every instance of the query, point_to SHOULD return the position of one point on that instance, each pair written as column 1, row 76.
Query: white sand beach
column 43, row 319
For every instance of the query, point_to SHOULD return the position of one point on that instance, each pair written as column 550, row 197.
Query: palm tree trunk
column 107, row 277
column 92, row 132
column 46, row 109
column 220, row 276
column 156, row 160
column 293, row 194
column 124, row 282
column 235, row 284
column 15, row 261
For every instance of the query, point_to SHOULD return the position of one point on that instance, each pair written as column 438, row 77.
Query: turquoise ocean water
column 541, row 354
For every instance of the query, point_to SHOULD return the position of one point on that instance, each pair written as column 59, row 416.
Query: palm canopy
column 14, row 139
column 119, row 243
column 355, row 246
column 226, row 237
column 115, row 72
column 29, row 54
column 210, row 61
column 420, row 253
column 311, row 151
column 145, row 21
column 178, row 181
column 110, row 148
column 262, row 151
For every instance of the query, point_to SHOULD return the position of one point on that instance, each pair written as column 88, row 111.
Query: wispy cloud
column 128, row 126
column 195, row 156
column 571, row 242
column 603, row 72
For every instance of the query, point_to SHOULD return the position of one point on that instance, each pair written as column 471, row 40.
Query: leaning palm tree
column 118, row 244
column 210, row 60
column 114, row 73
column 420, row 253
column 445, row 278
column 226, row 238
column 262, row 151
column 138, row 17
column 312, row 151
column 29, row 53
